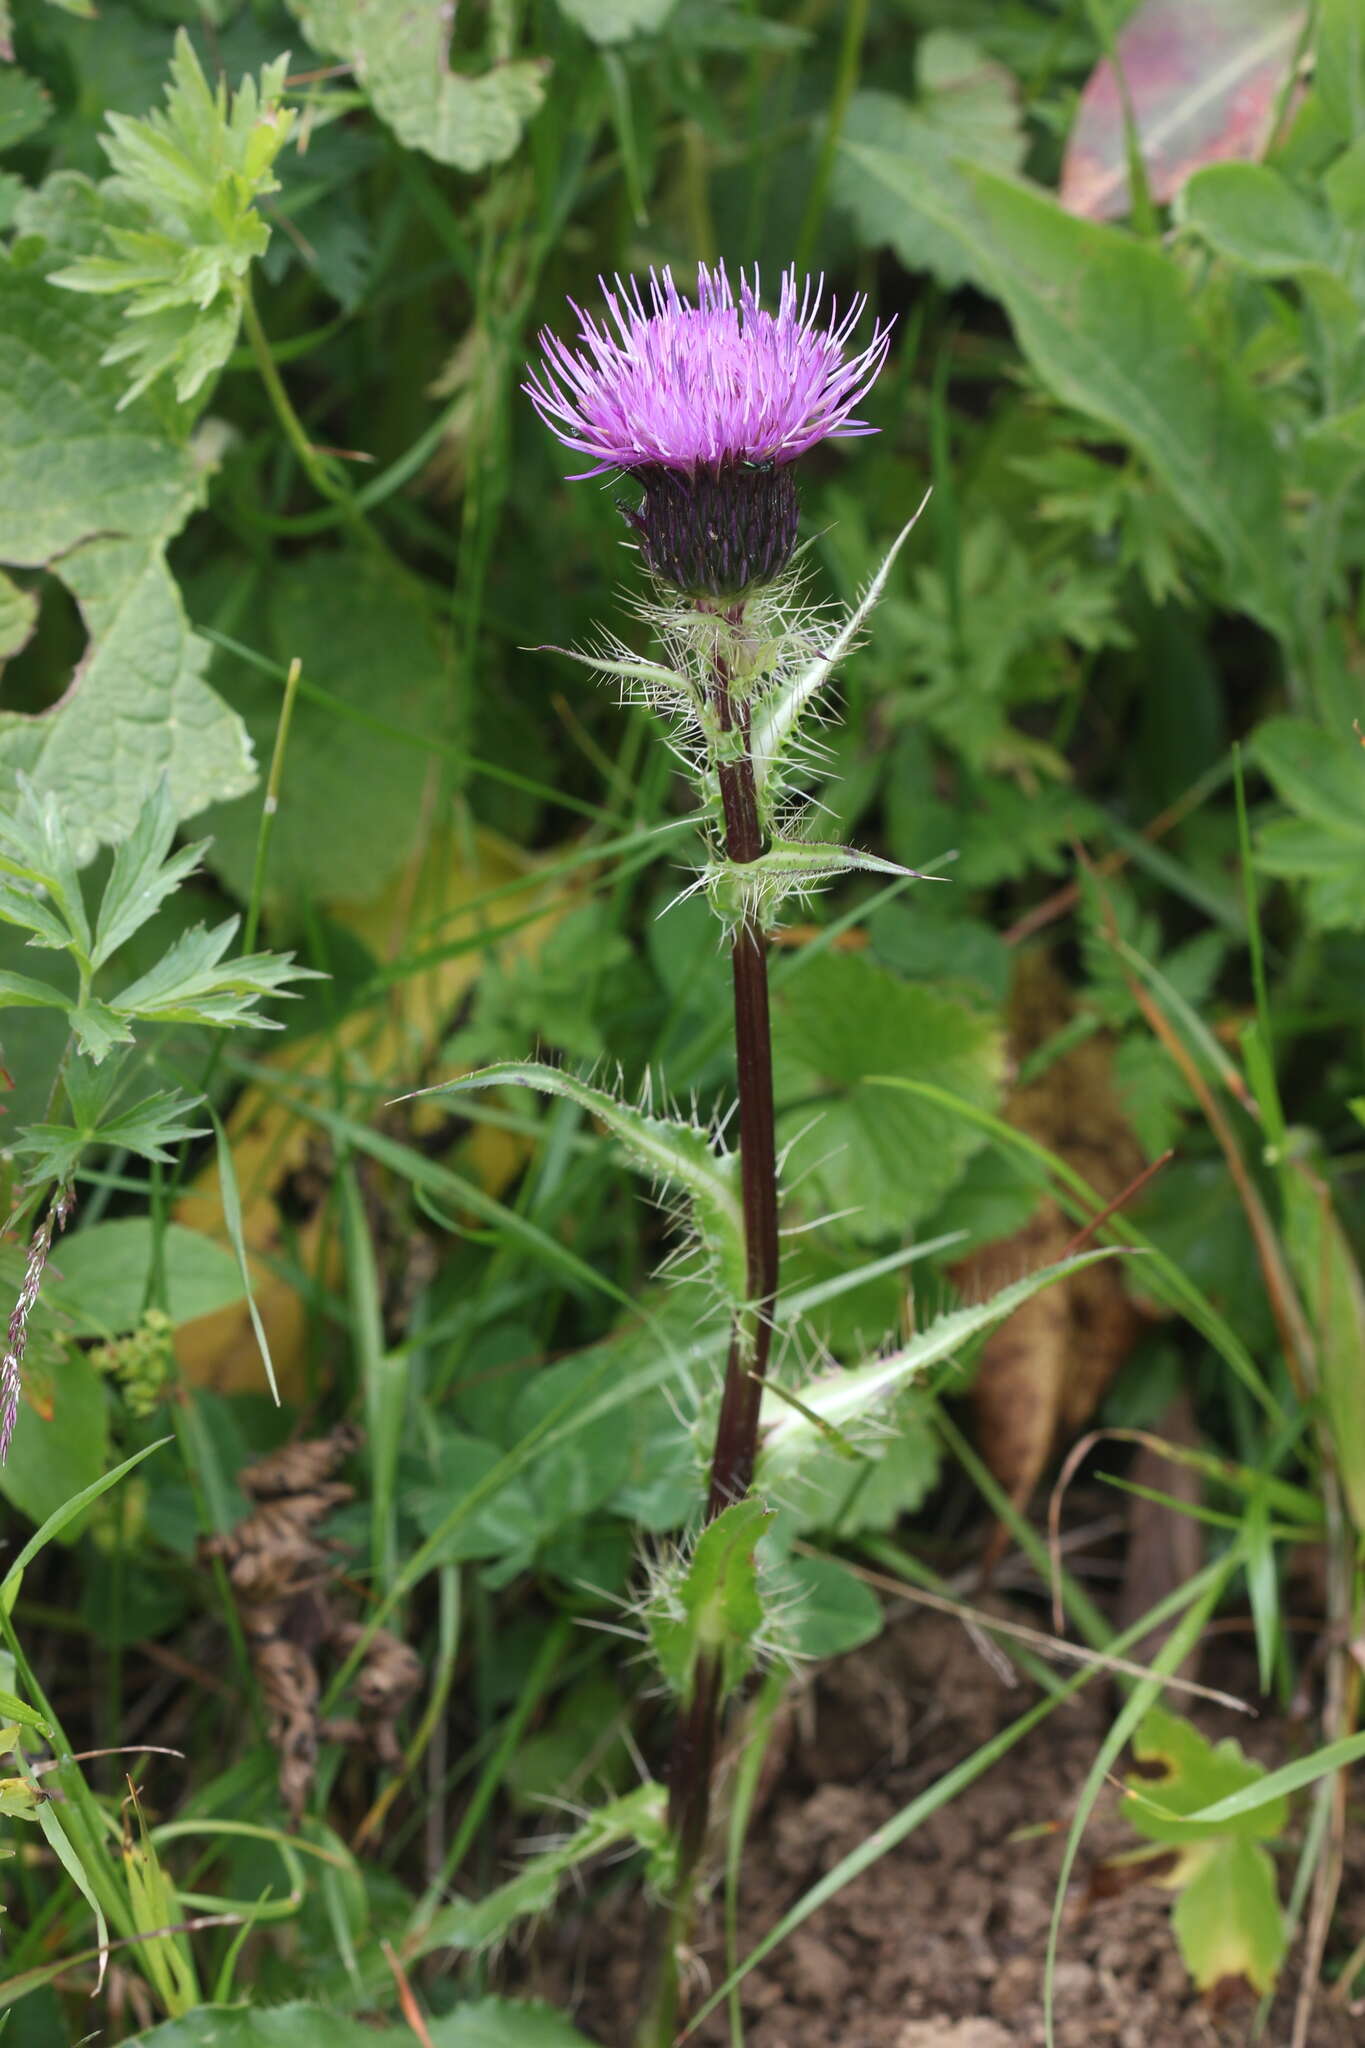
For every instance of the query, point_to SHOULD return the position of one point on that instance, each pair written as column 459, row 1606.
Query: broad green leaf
column 401, row 58
column 100, row 1274
column 97, row 493
column 712, row 1609
column 486, row 2023
column 1253, row 215
column 1179, row 1772
column 1105, row 322
column 71, row 464
column 18, row 616
column 509, row 1526
column 904, row 186
column 826, row 1608
column 61, row 1436
column 388, row 663
column 1203, row 81
column 612, row 21
column 887, row 1160
column 1227, row 1919
column 675, row 1154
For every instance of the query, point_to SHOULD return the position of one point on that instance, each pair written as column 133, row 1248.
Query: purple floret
column 683, row 386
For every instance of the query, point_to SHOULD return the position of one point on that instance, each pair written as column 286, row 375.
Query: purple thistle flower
column 706, row 405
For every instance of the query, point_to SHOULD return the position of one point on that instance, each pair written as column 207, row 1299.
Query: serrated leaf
column 400, row 54
column 780, row 715
column 675, row 1154
column 142, row 875
column 886, row 1160
column 713, row 1610
column 613, row 21
column 98, row 1029
column 42, row 889
column 187, row 179
column 193, row 984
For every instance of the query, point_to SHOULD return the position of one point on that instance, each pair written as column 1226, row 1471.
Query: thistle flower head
column 718, row 382
column 705, row 405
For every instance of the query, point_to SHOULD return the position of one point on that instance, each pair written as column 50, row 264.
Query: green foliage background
column 259, row 405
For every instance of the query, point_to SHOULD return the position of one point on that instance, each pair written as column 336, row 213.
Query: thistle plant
column 704, row 407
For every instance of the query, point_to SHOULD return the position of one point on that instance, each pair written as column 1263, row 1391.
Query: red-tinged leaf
column 1203, row 77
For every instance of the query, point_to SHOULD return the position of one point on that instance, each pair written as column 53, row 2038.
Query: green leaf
column 1105, row 322
column 1227, row 1919
column 1181, row 1771
column 714, row 1610
column 1329, row 1278
column 99, row 1275
column 1254, row 217
column 18, row 617
column 24, row 107
column 509, row 1526
column 149, row 1128
column 98, row 1029
column 96, row 494
column 485, row 2023
column 193, row 984
column 42, row 891
column 389, row 662
column 1321, row 775
column 61, row 1436
column 886, row 1160
column 636, row 1817
column 186, row 230
column 20, row 992
column 142, row 875
column 831, row 1611
column 903, row 186
column 612, row 21
column 400, row 55
column 856, row 1405
column 675, row 1154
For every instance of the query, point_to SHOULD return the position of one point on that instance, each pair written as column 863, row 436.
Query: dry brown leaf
column 1042, row 1373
